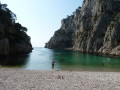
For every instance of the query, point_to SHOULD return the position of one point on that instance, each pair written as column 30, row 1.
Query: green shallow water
column 41, row 58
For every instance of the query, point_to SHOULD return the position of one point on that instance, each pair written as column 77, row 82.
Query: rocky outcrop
column 13, row 37
column 96, row 28
column 64, row 37
column 21, row 48
column 6, row 48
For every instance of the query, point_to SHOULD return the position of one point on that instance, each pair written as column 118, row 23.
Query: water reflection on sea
column 41, row 59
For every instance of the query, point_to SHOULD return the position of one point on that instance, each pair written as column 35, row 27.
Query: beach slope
column 19, row 79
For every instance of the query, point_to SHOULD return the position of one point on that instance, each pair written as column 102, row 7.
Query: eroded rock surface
column 64, row 37
column 96, row 28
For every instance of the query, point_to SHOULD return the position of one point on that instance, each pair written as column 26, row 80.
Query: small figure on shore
column 102, row 64
column 53, row 63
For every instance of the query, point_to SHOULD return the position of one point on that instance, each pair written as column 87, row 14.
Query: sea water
column 42, row 58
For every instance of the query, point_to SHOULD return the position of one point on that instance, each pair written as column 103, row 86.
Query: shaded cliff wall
column 13, row 37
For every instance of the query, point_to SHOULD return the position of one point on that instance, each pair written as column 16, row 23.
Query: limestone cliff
column 64, row 37
column 96, row 28
column 95, row 18
column 13, row 37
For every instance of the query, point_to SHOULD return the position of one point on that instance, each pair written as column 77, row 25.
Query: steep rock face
column 111, row 43
column 96, row 27
column 94, row 21
column 64, row 37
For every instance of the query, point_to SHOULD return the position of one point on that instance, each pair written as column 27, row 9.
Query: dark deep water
column 41, row 58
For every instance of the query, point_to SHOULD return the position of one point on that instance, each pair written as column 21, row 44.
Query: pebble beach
column 20, row 79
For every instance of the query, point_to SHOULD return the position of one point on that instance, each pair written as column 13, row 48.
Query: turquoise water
column 41, row 59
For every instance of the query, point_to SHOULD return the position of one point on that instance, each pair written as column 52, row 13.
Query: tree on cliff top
column 15, row 32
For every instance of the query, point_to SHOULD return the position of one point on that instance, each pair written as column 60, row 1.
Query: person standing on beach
column 53, row 64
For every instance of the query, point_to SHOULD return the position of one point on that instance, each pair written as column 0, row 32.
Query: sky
column 41, row 17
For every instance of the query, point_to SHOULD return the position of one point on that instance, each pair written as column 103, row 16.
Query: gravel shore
column 18, row 79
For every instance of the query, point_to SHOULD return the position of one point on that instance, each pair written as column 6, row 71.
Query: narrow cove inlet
column 42, row 58
column 37, row 52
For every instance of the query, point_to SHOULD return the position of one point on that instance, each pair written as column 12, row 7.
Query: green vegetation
column 15, row 32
